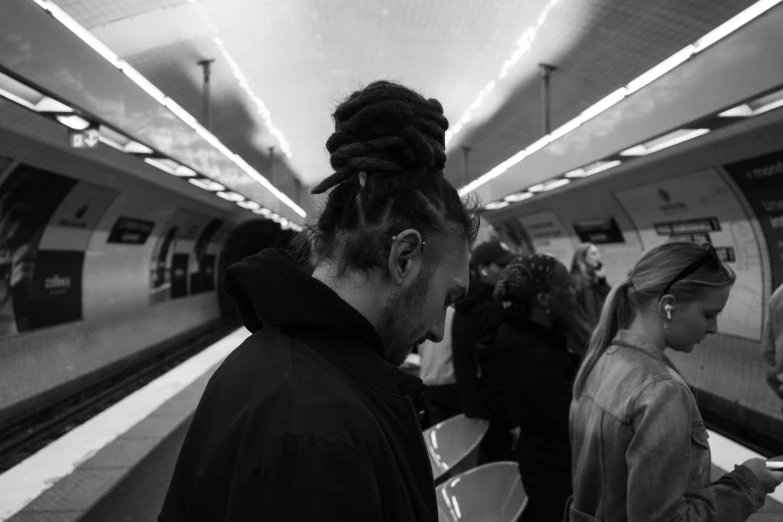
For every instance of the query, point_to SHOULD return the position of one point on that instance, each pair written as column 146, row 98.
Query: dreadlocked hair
column 388, row 154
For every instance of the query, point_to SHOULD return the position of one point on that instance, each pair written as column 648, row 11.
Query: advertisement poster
column 548, row 236
column 602, row 231
column 45, row 224
column 130, row 231
column 181, row 251
column 702, row 208
column 761, row 181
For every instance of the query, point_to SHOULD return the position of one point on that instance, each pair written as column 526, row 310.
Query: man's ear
column 406, row 255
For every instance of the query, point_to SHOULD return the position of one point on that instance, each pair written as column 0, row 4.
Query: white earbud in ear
column 668, row 309
column 484, row 272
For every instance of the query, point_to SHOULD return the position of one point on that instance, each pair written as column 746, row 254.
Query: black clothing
column 474, row 318
column 305, row 420
column 537, row 375
column 589, row 300
column 444, row 403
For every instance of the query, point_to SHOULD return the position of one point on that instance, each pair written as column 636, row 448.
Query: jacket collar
column 524, row 325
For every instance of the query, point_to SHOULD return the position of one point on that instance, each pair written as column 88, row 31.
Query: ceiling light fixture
column 158, row 165
column 249, row 205
column 754, row 108
column 73, row 121
column 186, row 117
column 643, row 80
column 231, row 196
column 184, row 172
column 263, row 111
column 666, row 141
column 524, row 44
column 263, row 212
column 549, row 185
column 207, row 184
column 495, row 205
column 520, row 196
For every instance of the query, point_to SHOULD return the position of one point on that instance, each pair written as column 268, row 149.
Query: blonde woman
column 640, row 448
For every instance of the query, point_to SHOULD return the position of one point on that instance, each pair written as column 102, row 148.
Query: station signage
column 85, row 139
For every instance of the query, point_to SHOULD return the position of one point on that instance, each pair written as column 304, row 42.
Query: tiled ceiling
column 302, row 56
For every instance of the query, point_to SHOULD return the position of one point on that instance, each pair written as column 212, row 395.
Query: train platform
column 117, row 466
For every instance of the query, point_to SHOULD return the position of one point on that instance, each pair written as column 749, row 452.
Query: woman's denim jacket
column 640, row 450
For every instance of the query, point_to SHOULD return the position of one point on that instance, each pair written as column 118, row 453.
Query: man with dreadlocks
column 310, row 418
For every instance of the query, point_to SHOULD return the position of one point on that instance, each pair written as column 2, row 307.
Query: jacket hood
column 270, row 290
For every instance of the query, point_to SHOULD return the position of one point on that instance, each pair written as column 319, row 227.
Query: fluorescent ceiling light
column 599, row 166
column 496, row 205
column 263, row 212
column 18, row 92
column 596, row 109
column 249, row 205
column 538, row 145
column 184, row 172
column 134, row 147
column 274, row 217
column 74, row 122
column 51, row 105
column 663, row 142
column 662, row 68
column 157, row 164
column 207, row 184
column 734, row 23
column 284, row 222
column 549, row 185
column 565, row 129
column 755, row 107
column 593, row 168
column 520, row 196
column 111, row 143
column 231, row 196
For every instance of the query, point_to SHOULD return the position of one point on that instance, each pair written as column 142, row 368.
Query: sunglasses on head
column 710, row 256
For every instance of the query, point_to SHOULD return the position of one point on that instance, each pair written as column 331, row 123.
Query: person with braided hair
column 311, row 418
column 534, row 373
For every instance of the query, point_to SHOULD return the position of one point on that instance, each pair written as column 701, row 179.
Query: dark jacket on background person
column 305, row 420
column 474, row 319
column 537, row 374
column 588, row 301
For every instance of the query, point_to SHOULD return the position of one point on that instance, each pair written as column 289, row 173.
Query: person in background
column 474, row 319
column 311, row 418
column 537, row 374
column 640, row 447
column 437, row 372
column 772, row 342
column 589, row 280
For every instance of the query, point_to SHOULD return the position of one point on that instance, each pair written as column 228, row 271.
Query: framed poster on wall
column 548, row 236
column 761, row 181
column 46, row 221
column 701, row 207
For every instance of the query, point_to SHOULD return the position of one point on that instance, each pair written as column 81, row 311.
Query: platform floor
column 126, row 480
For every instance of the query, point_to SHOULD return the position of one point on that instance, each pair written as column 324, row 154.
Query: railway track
column 29, row 434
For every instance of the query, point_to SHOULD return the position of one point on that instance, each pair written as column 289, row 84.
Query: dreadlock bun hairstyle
column 388, row 155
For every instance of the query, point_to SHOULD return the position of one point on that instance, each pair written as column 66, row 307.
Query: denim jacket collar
column 635, row 341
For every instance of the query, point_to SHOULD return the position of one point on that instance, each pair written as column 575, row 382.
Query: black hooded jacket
column 476, row 317
column 305, row 420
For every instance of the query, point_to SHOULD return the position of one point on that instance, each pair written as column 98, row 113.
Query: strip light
column 178, row 111
column 262, row 109
column 207, row 184
column 678, row 58
column 73, row 121
column 524, row 44
column 231, row 196
column 549, row 185
column 496, row 205
column 664, row 142
column 521, row 196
